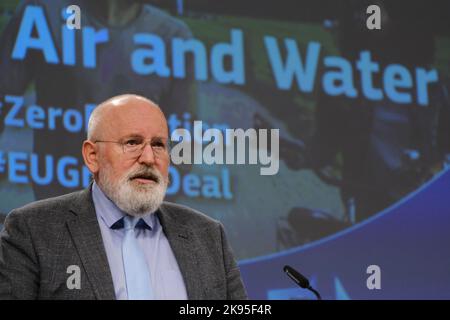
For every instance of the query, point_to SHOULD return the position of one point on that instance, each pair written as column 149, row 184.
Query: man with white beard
column 118, row 239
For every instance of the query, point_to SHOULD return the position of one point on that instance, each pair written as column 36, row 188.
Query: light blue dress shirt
column 165, row 274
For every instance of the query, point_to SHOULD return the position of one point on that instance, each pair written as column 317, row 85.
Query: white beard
column 135, row 199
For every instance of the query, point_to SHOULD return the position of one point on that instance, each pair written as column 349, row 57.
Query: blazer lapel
column 87, row 237
column 182, row 242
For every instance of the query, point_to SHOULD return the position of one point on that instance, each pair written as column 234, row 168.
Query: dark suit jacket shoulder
column 41, row 240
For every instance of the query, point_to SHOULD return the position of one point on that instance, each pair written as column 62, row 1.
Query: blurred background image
column 342, row 159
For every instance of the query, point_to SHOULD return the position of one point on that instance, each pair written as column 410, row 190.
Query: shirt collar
column 110, row 213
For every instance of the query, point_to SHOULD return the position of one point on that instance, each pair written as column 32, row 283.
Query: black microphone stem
column 317, row 294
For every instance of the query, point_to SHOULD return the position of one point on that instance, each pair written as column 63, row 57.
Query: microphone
column 300, row 280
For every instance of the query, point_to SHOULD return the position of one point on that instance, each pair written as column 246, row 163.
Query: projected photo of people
column 363, row 115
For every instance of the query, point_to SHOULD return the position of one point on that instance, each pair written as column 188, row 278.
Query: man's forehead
column 136, row 118
column 136, row 113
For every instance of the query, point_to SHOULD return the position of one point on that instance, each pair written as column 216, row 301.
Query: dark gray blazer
column 39, row 241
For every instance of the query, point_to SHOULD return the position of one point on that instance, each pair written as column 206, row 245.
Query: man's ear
column 90, row 156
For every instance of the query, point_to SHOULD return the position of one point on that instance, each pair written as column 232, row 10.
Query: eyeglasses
column 134, row 147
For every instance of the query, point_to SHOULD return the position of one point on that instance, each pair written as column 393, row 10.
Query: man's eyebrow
column 133, row 135
column 160, row 138
column 139, row 136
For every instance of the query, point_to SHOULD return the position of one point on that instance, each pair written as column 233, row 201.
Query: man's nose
column 148, row 156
